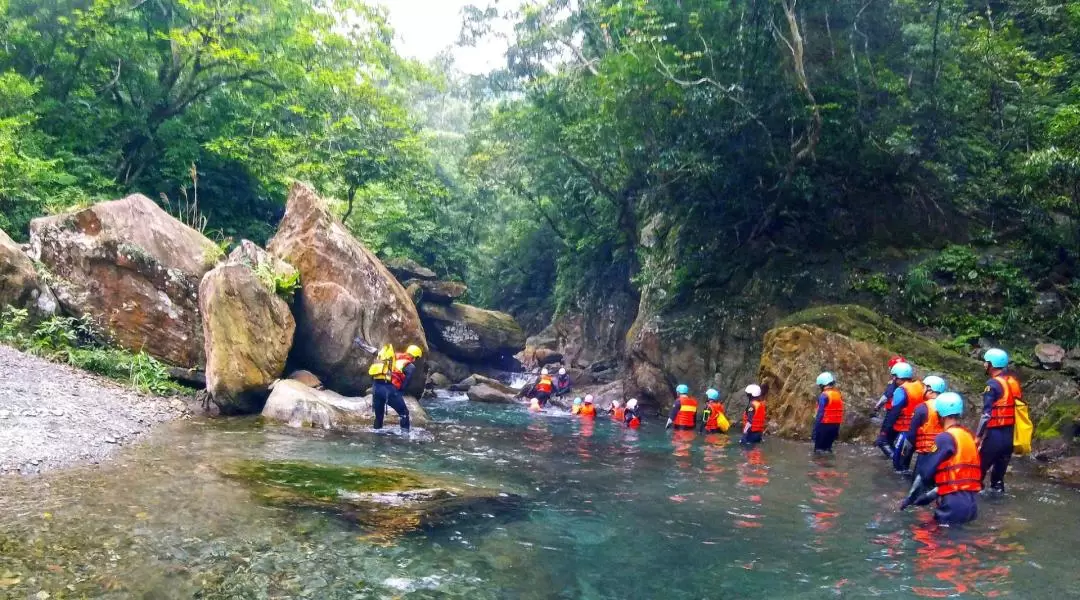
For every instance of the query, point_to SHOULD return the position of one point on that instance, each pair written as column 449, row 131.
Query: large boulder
column 132, row 268
column 20, row 285
column 1066, row 470
column 1050, row 356
column 349, row 302
column 405, row 269
column 438, row 292
column 471, row 334
column 247, row 328
column 486, row 393
column 454, row 370
column 297, row 405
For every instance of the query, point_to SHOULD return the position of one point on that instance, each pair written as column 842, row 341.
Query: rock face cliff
column 20, row 284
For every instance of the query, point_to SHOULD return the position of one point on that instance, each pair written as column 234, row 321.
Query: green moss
column 864, row 324
column 1057, row 417
column 300, row 480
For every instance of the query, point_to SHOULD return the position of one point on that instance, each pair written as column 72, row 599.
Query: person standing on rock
column 683, row 414
column 389, row 388
column 886, row 437
column 562, row 383
column 953, row 466
column 754, row 416
column 830, row 414
column 925, row 421
column 544, row 387
column 995, row 431
column 909, row 394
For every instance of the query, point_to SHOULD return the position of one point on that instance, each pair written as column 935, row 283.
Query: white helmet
column 754, row 390
column 616, row 403
column 631, row 403
column 588, row 398
column 544, row 371
column 562, row 371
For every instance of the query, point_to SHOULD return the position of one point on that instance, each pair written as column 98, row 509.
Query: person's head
column 753, row 391
column 414, row 351
column 995, row 360
column 902, row 371
column 825, row 380
column 588, row 399
column 935, row 386
column 577, row 401
column 616, row 403
column 712, row 394
column 631, row 404
column 950, row 406
column 682, row 389
column 562, row 371
column 544, row 371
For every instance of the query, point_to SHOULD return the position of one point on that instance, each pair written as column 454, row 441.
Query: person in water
column 925, row 421
column 830, row 414
column 953, row 466
column 713, row 419
column 631, row 418
column 909, row 394
column 543, row 387
column 618, row 412
column 886, row 437
column 995, row 432
column 389, row 388
column 587, row 409
column 753, row 416
column 684, row 413
column 562, row 383
column 576, row 408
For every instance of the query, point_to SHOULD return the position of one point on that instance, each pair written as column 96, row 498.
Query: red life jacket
column 619, row 413
column 687, row 415
column 915, row 391
column 962, row 472
column 544, row 385
column 715, row 409
column 587, row 410
column 634, row 423
column 397, row 376
column 758, row 424
column 834, row 408
column 1003, row 411
column 924, row 438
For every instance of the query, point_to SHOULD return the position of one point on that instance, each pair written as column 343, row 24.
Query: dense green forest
column 661, row 147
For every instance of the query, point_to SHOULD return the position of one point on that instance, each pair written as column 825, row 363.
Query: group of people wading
column 921, row 422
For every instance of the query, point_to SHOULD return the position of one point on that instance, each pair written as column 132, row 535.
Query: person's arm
column 899, row 399
column 748, row 416
column 408, row 371
column 884, row 399
column 991, row 395
column 822, row 400
column 918, row 419
column 674, row 411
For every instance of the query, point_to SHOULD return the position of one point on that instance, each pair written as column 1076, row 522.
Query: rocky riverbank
column 54, row 415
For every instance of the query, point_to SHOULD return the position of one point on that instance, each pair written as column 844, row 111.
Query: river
column 608, row 514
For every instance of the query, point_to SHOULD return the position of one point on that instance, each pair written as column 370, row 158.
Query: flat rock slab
column 54, row 415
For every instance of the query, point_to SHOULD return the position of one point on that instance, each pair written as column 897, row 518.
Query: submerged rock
column 297, row 405
column 132, row 268
column 349, row 300
column 247, row 327
column 472, row 334
column 389, row 501
column 20, row 285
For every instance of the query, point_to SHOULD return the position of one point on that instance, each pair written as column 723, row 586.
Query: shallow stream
column 609, row 514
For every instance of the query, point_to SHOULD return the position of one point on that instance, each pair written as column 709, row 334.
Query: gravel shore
column 53, row 415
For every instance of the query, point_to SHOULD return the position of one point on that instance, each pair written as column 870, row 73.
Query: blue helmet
column 682, row 389
column 949, row 404
column 826, row 378
column 577, row 401
column 998, row 358
column 712, row 394
column 936, row 384
column 902, row 370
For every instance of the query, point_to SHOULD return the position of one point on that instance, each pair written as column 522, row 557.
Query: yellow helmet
column 414, row 351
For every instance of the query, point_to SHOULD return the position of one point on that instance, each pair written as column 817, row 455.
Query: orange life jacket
column 758, row 424
column 397, row 375
column 962, row 472
column 1003, row 411
column 915, row 391
column 544, row 385
column 924, row 437
column 619, row 413
column 834, row 408
column 715, row 409
column 587, row 410
column 687, row 415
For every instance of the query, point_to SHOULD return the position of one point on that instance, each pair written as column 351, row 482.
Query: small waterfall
column 519, row 380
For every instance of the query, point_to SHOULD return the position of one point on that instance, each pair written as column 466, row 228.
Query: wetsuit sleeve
column 674, row 410
column 991, row 395
column 946, row 447
column 628, row 416
column 408, row 371
column 748, row 416
column 898, row 400
column 822, row 400
column 918, row 419
column 885, row 396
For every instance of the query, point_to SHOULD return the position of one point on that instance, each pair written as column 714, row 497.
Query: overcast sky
column 425, row 27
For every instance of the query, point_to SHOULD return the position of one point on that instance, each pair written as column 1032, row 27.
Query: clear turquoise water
column 609, row 514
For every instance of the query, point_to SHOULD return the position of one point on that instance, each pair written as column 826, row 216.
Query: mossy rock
column 389, row 502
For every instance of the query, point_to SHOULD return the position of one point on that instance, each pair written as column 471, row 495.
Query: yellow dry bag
column 722, row 422
column 1022, row 430
column 383, row 366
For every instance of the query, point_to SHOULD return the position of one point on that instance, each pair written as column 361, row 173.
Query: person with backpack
column 713, row 419
column 392, row 372
column 996, row 428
